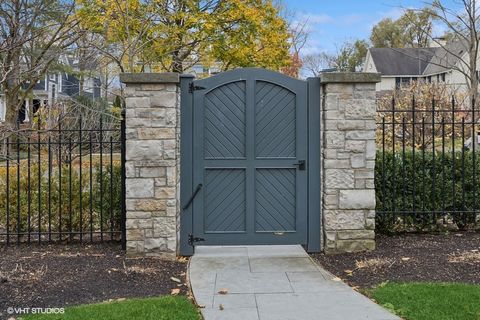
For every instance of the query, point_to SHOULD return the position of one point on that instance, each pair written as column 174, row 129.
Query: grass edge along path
column 429, row 301
column 157, row 308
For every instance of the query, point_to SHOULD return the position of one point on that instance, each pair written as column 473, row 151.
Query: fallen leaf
column 175, row 280
column 221, row 307
column 348, row 271
column 121, row 299
column 201, row 306
column 405, row 259
column 223, row 291
column 336, row 279
column 175, row 292
column 183, row 274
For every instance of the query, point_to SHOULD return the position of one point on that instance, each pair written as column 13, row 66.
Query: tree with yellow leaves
column 172, row 35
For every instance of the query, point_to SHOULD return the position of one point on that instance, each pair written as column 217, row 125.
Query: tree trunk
column 177, row 63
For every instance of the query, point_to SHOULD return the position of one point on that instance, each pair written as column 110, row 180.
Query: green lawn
column 161, row 308
column 432, row 301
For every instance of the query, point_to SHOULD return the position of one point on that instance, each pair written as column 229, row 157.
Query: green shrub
column 427, row 187
column 57, row 205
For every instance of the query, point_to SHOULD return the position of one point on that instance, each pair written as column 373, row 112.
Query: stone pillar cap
column 150, row 78
column 349, row 77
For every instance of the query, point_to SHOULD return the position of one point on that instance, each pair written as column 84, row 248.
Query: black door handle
column 192, row 197
column 301, row 164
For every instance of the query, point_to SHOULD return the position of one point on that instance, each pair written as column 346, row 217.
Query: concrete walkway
column 272, row 283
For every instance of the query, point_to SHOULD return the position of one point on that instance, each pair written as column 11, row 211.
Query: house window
column 405, row 81
column 51, row 77
column 429, row 79
column 443, row 77
column 397, row 82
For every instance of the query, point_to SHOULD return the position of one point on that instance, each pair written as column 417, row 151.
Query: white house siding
column 3, row 108
column 387, row 83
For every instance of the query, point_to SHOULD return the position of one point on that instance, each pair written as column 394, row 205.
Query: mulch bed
column 49, row 276
column 453, row 257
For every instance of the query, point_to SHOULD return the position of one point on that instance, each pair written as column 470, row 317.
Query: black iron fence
column 63, row 184
column 427, row 163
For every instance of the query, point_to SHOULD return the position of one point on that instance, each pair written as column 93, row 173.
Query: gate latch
column 301, row 164
column 192, row 239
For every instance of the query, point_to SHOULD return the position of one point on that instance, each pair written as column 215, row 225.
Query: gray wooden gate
column 249, row 159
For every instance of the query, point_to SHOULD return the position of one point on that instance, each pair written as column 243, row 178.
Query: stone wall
column 348, row 156
column 152, row 162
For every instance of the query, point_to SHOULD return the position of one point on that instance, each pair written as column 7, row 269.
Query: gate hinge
column 192, row 239
column 192, row 87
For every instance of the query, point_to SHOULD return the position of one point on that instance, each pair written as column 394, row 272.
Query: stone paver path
column 272, row 283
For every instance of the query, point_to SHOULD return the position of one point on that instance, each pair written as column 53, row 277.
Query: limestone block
column 334, row 139
column 343, row 219
column 137, row 102
column 139, row 188
column 143, row 149
column 370, row 150
column 360, row 109
column 164, row 227
column 357, row 161
column 157, row 244
column 152, row 172
column 156, row 133
column 150, row 113
column 339, row 178
column 351, row 125
column 164, row 192
column 360, row 135
column 355, row 234
column 357, row 199
column 356, row 146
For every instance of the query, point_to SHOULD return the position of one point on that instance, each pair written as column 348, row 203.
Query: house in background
column 201, row 71
column 400, row 66
column 54, row 87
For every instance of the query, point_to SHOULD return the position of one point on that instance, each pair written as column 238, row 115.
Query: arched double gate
column 250, row 163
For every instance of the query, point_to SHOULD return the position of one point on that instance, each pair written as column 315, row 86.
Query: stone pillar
column 152, row 162
column 348, row 157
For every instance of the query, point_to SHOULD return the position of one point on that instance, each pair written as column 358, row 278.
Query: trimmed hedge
column 70, row 201
column 419, row 192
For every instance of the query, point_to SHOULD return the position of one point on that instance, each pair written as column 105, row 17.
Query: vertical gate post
column 123, row 190
column 152, row 162
column 348, row 161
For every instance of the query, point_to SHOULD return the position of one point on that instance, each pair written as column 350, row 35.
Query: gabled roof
column 404, row 61
column 417, row 61
column 446, row 57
